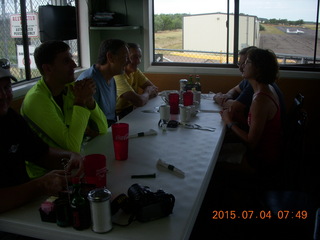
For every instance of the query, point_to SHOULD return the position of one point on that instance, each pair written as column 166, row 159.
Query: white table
column 193, row 151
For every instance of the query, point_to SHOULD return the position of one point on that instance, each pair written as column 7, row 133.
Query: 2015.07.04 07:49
column 262, row 214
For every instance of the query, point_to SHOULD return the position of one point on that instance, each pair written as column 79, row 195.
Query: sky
column 279, row 9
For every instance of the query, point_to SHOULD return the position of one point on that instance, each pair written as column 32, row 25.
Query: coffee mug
column 164, row 112
column 185, row 113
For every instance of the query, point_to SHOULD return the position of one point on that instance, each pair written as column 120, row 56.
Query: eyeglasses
column 4, row 63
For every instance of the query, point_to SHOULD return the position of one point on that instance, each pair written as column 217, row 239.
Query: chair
column 293, row 195
column 294, row 140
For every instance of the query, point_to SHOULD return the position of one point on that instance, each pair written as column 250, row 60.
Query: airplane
column 295, row 31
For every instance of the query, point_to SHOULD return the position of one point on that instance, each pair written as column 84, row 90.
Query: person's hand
column 152, row 91
column 83, row 91
column 155, row 91
column 221, row 98
column 75, row 163
column 217, row 97
column 53, row 182
column 226, row 115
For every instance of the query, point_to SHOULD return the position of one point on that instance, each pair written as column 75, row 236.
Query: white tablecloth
column 193, row 151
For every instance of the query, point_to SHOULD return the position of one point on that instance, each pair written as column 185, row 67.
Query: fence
column 189, row 56
column 10, row 45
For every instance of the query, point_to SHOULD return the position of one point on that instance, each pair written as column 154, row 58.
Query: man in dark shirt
column 19, row 144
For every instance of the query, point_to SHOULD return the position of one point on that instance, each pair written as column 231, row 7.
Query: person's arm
column 130, row 93
column 150, row 88
column 50, row 184
column 234, row 92
column 138, row 100
column 238, row 111
column 231, row 95
column 46, row 118
column 99, row 119
column 52, row 160
column 259, row 115
column 84, row 96
column 83, row 91
column 258, row 121
column 230, row 123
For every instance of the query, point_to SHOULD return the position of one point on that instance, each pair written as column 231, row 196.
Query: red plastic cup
column 187, row 98
column 95, row 170
column 174, row 103
column 120, row 135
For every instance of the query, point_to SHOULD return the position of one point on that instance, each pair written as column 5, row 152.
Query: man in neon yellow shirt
column 58, row 109
column 129, row 84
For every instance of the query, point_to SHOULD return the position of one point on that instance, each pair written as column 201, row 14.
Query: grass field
column 169, row 39
column 173, row 39
column 310, row 26
column 270, row 29
column 272, row 37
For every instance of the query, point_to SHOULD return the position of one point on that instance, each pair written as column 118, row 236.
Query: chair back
column 295, row 138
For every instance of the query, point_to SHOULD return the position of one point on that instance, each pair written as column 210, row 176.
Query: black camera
column 144, row 204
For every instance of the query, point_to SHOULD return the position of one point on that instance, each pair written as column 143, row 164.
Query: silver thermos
column 100, row 210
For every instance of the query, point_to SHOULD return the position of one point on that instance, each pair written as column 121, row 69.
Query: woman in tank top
column 264, row 138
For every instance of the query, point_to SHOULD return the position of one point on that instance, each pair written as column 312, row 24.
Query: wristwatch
column 229, row 125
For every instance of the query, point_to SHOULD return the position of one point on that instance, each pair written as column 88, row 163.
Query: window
column 211, row 33
column 13, row 42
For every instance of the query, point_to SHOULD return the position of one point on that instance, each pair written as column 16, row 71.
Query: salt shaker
column 183, row 84
column 100, row 210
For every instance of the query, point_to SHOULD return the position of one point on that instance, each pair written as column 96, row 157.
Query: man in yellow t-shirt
column 129, row 84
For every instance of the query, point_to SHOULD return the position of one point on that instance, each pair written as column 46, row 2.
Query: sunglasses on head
column 4, row 63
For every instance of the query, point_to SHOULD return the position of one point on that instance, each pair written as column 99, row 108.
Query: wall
column 248, row 31
column 135, row 18
column 208, row 32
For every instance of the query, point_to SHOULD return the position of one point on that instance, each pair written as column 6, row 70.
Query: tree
column 164, row 22
column 158, row 23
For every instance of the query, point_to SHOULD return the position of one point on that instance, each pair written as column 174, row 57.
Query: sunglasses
column 4, row 63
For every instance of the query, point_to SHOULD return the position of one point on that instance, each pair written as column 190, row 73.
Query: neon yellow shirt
column 126, row 83
column 62, row 129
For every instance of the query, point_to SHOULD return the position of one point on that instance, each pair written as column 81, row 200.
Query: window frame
column 22, row 87
column 29, row 80
column 296, row 71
